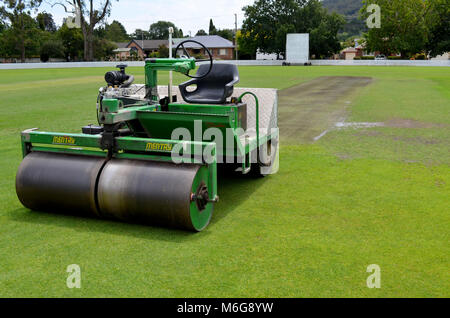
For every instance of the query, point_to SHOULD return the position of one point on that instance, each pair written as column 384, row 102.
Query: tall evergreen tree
column 212, row 28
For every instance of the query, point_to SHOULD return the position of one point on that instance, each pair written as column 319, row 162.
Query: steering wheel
column 210, row 59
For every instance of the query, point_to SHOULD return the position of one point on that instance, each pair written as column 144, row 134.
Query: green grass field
column 354, row 197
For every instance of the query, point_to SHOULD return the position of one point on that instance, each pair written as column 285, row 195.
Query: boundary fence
column 6, row 66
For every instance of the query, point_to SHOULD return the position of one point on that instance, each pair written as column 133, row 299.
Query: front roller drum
column 155, row 192
column 59, row 183
column 131, row 190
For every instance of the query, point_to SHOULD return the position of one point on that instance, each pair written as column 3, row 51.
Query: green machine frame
column 151, row 128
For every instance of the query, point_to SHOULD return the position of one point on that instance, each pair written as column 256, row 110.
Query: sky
column 189, row 15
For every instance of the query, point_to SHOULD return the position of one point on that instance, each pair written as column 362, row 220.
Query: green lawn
column 353, row 198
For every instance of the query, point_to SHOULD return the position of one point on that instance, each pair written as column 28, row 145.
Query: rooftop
column 151, row 44
column 122, row 45
column 210, row 41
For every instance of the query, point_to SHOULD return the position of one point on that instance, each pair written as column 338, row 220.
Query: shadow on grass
column 88, row 224
column 233, row 190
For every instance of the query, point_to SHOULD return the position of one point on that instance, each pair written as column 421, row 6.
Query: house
column 122, row 52
column 351, row 52
column 219, row 47
column 146, row 47
column 176, row 41
column 142, row 48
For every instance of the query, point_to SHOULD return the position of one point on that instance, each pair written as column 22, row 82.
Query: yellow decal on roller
column 154, row 146
column 63, row 140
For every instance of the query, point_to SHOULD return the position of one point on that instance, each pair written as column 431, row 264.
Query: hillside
column 349, row 9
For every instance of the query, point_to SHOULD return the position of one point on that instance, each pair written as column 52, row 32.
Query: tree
column 72, row 40
column 3, row 51
column 201, row 32
column 160, row 30
column 268, row 21
column 247, row 49
column 212, row 28
column 226, row 34
column 116, row 32
column 7, row 44
column 2, row 26
column 324, row 38
column 45, row 22
column 103, row 49
column 17, row 12
column 32, row 37
column 90, row 16
column 51, row 49
column 89, row 19
column 139, row 34
column 263, row 24
column 439, row 21
column 404, row 28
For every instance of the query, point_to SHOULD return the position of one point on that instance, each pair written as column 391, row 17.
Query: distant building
column 443, row 57
column 122, row 52
column 267, row 56
column 142, row 48
column 351, row 52
column 175, row 41
column 219, row 47
column 146, row 47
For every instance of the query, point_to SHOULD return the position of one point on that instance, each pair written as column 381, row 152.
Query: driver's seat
column 214, row 88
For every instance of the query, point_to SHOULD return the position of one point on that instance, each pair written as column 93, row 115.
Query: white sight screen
column 297, row 48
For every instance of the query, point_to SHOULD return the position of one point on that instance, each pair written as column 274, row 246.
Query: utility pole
column 235, row 36
column 169, row 90
column 142, row 43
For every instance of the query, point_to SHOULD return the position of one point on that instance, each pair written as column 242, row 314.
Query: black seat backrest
column 214, row 88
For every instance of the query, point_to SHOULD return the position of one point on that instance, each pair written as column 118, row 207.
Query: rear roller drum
column 156, row 193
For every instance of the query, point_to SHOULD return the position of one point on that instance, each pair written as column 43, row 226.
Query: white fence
column 6, row 66
column 10, row 66
column 383, row 62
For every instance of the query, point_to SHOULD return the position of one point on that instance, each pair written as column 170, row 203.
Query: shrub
column 199, row 56
column 50, row 49
column 163, row 51
column 103, row 49
column 420, row 56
